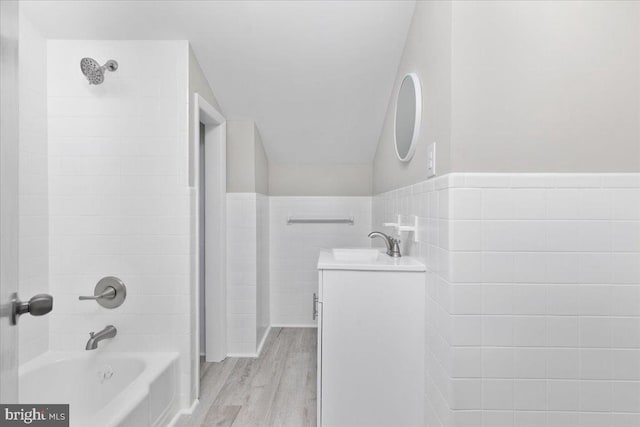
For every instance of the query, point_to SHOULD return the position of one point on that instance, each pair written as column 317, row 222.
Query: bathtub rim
column 127, row 399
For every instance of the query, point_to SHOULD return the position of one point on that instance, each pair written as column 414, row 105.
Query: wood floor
column 276, row 389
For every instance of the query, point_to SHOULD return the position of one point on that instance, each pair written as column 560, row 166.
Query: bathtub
column 105, row 389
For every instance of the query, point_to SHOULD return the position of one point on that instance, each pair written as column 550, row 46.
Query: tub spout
column 108, row 332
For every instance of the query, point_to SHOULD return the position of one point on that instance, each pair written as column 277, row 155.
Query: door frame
column 215, row 257
column 9, row 144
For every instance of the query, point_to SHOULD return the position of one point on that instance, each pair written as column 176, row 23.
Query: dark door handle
column 38, row 305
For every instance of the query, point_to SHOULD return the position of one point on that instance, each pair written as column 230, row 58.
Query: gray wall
column 240, row 157
column 320, row 180
column 427, row 52
column 250, row 171
column 261, row 164
column 247, row 162
column 521, row 87
column 546, row 87
column 197, row 84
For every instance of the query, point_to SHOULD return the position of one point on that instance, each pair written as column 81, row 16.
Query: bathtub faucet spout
column 108, row 332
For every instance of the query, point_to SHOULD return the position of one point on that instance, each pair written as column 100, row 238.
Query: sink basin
column 365, row 259
column 356, row 254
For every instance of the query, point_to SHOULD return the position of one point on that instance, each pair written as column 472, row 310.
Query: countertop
column 383, row 262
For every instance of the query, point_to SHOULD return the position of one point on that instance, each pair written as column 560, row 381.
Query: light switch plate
column 431, row 160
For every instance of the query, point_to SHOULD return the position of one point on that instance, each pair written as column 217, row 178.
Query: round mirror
column 408, row 113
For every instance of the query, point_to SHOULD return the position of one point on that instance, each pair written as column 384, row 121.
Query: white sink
column 355, row 254
column 365, row 259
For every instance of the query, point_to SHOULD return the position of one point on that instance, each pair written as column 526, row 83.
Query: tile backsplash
column 533, row 296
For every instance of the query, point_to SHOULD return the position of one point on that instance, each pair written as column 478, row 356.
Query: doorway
column 209, row 255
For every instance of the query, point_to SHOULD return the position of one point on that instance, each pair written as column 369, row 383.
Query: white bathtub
column 105, row 389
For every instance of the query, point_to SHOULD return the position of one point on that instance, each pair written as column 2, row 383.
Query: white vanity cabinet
column 370, row 341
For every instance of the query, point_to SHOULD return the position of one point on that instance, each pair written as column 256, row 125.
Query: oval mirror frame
column 416, row 100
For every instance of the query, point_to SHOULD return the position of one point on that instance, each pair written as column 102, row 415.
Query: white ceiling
column 316, row 76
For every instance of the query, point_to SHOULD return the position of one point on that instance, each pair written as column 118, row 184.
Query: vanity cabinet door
column 318, row 308
column 372, row 348
column 319, row 358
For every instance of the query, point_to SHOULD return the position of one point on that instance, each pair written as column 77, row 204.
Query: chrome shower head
column 94, row 72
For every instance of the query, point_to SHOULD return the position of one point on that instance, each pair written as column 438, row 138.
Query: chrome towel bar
column 291, row 220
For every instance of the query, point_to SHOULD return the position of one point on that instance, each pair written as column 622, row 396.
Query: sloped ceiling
column 316, row 76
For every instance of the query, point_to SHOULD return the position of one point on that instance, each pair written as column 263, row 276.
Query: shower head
column 94, row 72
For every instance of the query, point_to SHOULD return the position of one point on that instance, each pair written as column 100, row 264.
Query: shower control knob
column 39, row 305
column 110, row 292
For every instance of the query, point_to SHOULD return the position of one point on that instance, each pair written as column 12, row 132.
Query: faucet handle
column 394, row 251
column 109, row 292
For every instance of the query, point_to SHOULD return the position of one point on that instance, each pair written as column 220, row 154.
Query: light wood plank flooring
column 276, row 389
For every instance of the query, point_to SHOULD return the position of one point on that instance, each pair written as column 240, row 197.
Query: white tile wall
column 533, row 296
column 294, row 249
column 33, row 195
column 242, row 273
column 247, row 272
column 263, row 312
column 118, row 196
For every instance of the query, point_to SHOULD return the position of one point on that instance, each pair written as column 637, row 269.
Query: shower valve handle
column 109, row 293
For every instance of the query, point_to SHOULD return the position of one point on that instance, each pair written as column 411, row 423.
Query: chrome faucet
column 108, row 332
column 393, row 245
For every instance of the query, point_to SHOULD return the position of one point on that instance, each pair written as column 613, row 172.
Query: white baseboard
column 250, row 355
column 182, row 415
column 311, row 325
column 264, row 338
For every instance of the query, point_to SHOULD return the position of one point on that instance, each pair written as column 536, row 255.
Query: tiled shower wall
column 119, row 196
column 34, row 222
column 533, row 297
